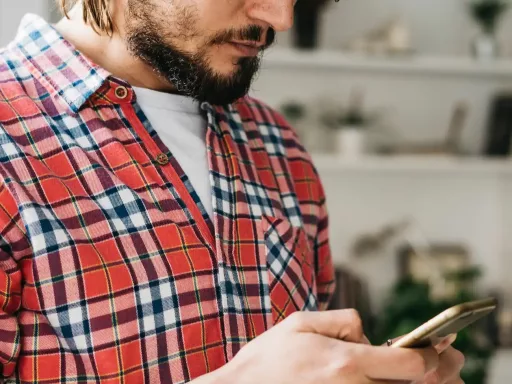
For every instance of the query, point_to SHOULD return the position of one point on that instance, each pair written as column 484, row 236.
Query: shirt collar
column 54, row 61
column 71, row 75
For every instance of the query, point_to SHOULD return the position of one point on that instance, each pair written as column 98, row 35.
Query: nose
column 278, row 14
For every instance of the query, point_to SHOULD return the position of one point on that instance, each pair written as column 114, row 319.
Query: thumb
column 342, row 324
column 445, row 343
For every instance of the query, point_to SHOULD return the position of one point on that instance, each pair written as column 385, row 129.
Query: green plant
column 487, row 13
column 354, row 119
column 350, row 118
column 411, row 304
column 354, row 116
column 293, row 111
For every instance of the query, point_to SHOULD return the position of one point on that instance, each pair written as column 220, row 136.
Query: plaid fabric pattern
column 110, row 269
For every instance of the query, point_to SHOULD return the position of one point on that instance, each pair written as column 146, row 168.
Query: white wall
column 438, row 26
column 417, row 106
column 11, row 12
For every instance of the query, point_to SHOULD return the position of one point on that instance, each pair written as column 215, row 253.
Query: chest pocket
column 290, row 266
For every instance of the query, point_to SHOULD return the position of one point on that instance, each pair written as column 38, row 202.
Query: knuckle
column 297, row 320
column 418, row 365
column 355, row 321
column 432, row 378
column 354, row 316
column 459, row 358
column 347, row 367
column 436, row 378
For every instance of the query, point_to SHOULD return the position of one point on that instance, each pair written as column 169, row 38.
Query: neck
column 110, row 53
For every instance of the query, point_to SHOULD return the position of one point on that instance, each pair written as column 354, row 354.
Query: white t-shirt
column 181, row 126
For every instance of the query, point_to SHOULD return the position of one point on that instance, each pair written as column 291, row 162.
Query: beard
column 192, row 74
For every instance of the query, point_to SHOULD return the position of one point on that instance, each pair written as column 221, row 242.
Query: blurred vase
column 351, row 142
column 485, row 46
column 306, row 25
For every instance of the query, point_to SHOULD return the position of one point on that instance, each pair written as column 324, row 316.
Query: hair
column 96, row 13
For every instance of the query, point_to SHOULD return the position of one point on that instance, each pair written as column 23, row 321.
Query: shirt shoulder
column 281, row 142
column 15, row 80
column 273, row 128
column 18, row 97
column 7, row 79
column 11, row 68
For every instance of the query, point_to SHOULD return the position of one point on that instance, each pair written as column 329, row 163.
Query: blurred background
column 406, row 107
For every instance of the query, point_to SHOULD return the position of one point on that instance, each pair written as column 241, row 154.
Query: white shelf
column 413, row 164
column 337, row 60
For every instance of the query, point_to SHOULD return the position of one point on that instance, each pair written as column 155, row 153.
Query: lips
column 247, row 48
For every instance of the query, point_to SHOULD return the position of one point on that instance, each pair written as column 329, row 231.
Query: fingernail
column 448, row 340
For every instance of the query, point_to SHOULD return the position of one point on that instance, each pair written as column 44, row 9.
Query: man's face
column 208, row 49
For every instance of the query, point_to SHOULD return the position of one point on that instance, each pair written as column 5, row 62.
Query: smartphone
column 446, row 323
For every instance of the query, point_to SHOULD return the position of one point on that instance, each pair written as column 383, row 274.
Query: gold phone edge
column 447, row 315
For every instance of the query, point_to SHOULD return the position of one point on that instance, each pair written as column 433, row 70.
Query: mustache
column 249, row 33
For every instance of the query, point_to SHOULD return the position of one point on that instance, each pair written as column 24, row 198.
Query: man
column 156, row 224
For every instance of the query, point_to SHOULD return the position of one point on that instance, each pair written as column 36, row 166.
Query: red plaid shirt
column 110, row 269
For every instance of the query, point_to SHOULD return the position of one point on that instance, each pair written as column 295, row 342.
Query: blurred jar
column 505, row 328
column 485, row 47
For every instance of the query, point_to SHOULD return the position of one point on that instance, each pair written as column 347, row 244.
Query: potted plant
column 307, row 23
column 293, row 111
column 351, row 126
column 487, row 14
column 351, row 136
column 301, row 118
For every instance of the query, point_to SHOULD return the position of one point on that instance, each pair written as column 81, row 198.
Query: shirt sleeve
column 10, row 287
column 323, row 257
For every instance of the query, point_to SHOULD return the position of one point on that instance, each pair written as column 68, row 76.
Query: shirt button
column 121, row 92
column 162, row 159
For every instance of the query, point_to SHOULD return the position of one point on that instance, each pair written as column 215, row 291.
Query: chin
column 226, row 70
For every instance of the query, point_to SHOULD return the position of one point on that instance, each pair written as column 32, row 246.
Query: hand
column 328, row 348
column 451, row 362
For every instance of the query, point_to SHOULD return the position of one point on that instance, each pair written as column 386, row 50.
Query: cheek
column 180, row 23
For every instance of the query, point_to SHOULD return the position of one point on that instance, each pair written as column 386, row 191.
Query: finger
column 446, row 343
column 456, row 381
column 450, row 364
column 365, row 340
column 396, row 364
column 343, row 324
